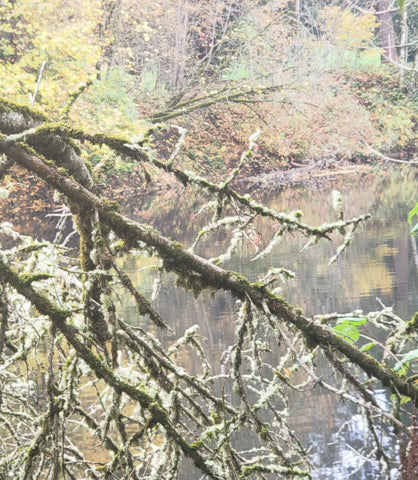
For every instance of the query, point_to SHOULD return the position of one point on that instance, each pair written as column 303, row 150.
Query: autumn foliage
column 315, row 88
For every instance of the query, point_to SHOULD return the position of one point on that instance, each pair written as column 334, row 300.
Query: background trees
column 288, row 69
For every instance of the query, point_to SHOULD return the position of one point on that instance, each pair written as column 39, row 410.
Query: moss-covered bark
column 27, row 125
column 148, row 402
column 173, row 404
column 197, row 272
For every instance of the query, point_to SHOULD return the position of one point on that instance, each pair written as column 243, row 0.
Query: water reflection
column 379, row 264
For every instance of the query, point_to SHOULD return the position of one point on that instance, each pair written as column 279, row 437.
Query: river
column 380, row 267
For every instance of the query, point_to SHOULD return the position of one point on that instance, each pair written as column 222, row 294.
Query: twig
column 38, row 82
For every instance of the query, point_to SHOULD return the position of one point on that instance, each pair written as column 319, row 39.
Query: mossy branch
column 143, row 305
column 199, row 273
column 74, row 96
column 140, row 152
column 59, row 319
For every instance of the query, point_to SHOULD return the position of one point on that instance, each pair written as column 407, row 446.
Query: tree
column 386, row 31
column 61, row 333
column 149, row 413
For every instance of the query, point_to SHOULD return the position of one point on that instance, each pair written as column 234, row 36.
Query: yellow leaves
column 15, row 83
column 145, row 29
column 7, row 179
column 61, row 33
column 347, row 29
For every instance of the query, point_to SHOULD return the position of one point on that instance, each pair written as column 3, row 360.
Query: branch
column 22, row 123
column 227, row 94
column 197, row 273
column 32, row 97
column 141, row 153
column 59, row 319
column 412, row 161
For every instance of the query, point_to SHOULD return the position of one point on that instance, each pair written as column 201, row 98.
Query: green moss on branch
column 190, row 266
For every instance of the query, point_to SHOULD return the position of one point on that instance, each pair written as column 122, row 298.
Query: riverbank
column 348, row 125
column 343, row 116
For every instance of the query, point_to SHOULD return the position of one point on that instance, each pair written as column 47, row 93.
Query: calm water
column 381, row 264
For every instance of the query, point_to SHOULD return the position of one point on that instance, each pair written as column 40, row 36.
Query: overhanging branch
column 198, row 273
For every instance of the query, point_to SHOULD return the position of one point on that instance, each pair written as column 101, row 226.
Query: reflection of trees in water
column 375, row 264
column 337, row 436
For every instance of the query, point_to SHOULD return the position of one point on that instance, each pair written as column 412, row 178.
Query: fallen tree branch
column 197, row 273
column 412, row 161
column 59, row 319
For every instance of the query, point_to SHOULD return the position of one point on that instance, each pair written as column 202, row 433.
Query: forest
column 147, row 331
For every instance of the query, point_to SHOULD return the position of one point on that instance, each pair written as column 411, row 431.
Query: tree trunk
column 181, row 45
column 403, row 54
column 386, row 31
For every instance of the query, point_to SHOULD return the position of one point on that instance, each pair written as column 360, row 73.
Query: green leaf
column 415, row 229
column 367, row 346
column 348, row 332
column 412, row 213
column 405, row 399
column 403, row 366
column 411, row 355
column 352, row 321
